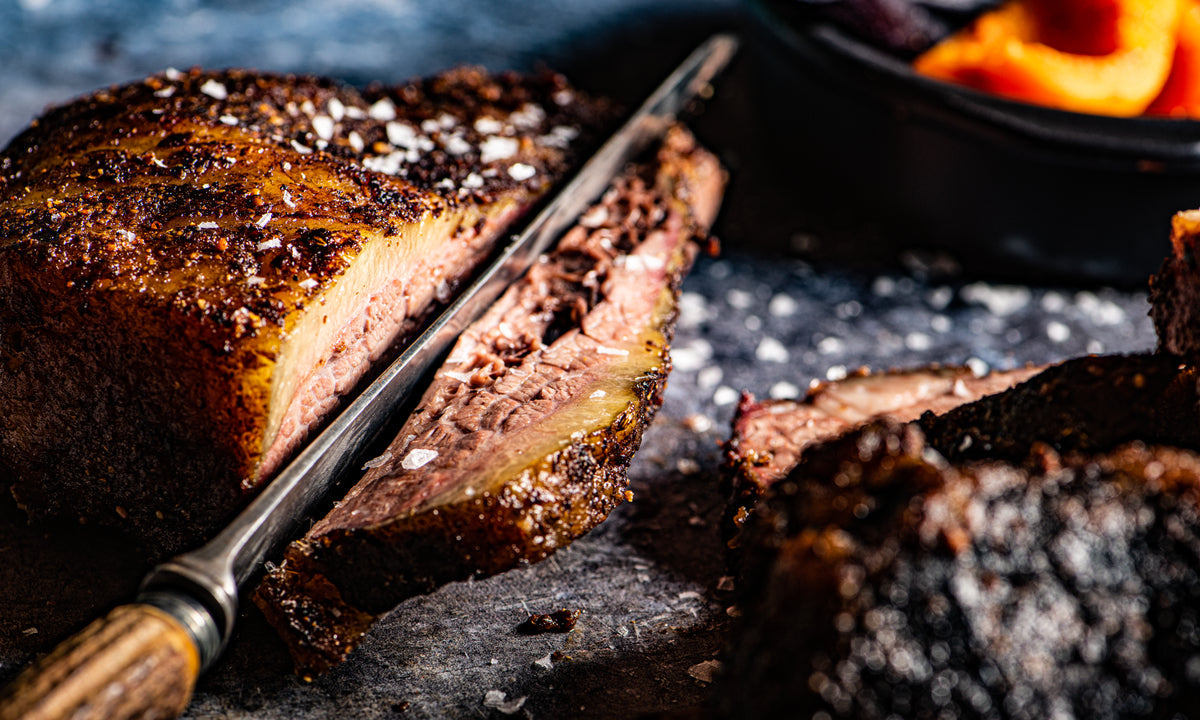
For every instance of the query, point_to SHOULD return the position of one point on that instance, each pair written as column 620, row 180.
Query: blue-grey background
column 651, row 581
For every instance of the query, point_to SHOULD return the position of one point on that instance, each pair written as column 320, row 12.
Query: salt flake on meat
column 418, row 458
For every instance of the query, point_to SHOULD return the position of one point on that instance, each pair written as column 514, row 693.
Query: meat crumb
column 560, row 621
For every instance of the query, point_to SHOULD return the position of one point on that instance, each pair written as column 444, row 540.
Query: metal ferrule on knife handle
column 143, row 659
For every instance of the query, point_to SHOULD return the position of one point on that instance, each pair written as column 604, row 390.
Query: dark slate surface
column 651, row 581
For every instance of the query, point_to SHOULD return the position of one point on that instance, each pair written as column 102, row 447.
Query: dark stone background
column 791, row 301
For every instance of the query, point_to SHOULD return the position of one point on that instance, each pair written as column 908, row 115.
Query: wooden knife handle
column 136, row 662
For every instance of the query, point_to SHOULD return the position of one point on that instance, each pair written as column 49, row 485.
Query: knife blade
column 144, row 658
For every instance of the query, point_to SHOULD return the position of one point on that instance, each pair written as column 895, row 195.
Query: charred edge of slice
column 1087, row 404
column 1175, row 290
column 303, row 599
column 876, row 571
column 769, row 437
column 481, row 508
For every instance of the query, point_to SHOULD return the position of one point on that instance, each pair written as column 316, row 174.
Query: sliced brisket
column 194, row 268
column 769, row 437
column 883, row 581
column 1087, row 404
column 522, row 442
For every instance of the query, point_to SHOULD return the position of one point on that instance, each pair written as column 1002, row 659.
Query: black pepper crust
column 160, row 187
column 884, row 582
column 160, row 240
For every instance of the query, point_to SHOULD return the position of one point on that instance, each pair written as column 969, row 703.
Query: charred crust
column 159, row 239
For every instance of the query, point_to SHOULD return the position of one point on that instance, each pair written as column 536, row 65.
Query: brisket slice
column 770, row 436
column 522, row 442
column 1087, row 404
column 1175, row 290
column 883, row 581
column 194, row 268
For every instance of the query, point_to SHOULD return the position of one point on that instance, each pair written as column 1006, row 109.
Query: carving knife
column 143, row 659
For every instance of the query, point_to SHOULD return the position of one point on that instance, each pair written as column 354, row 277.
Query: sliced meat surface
column 194, row 268
column 769, row 437
column 1088, row 404
column 521, row 443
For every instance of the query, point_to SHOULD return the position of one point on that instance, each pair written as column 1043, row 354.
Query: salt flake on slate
column 1002, row 300
column 1057, row 332
column 725, row 395
column 917, row 341
column 496, row 699
column 739, row 299
column 782, row 306
column 691, row 356
column 831, row 346
column 771, row 350
column 709, row 377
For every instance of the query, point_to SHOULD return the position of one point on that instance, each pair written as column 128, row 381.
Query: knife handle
column 137, row 661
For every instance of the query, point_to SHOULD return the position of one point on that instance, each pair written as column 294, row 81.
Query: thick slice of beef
column 1175, row 290
column 1087, row 404
column 522, row 441
column 193, row 269
column 769, row 437
column 883, row 581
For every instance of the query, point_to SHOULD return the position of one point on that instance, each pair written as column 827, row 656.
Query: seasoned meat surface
column 1175, row 290
column 883, row 581
column 522, row 441
column 769, row 437
column 1087, row 404
column 194, row 268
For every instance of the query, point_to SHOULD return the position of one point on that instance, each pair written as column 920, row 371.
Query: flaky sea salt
column 308, row 284
column 214, row 90
column 418, row 457
column 1057, row 332
column 488, row 125
column 611, row 350
column 455, row 145
column 497, row 148
column 521, row 172
column 268, row 244
column 771, row 350
column 725, row 395
column 208, row 225
column 382, row 110
column 262, row 221
column 323, row 126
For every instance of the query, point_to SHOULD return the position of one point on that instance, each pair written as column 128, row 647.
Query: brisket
column 1088, row 404
column 770, row 436
column 194, row 268
column 521, row 443
column 1175, row 290
column 882, row 581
